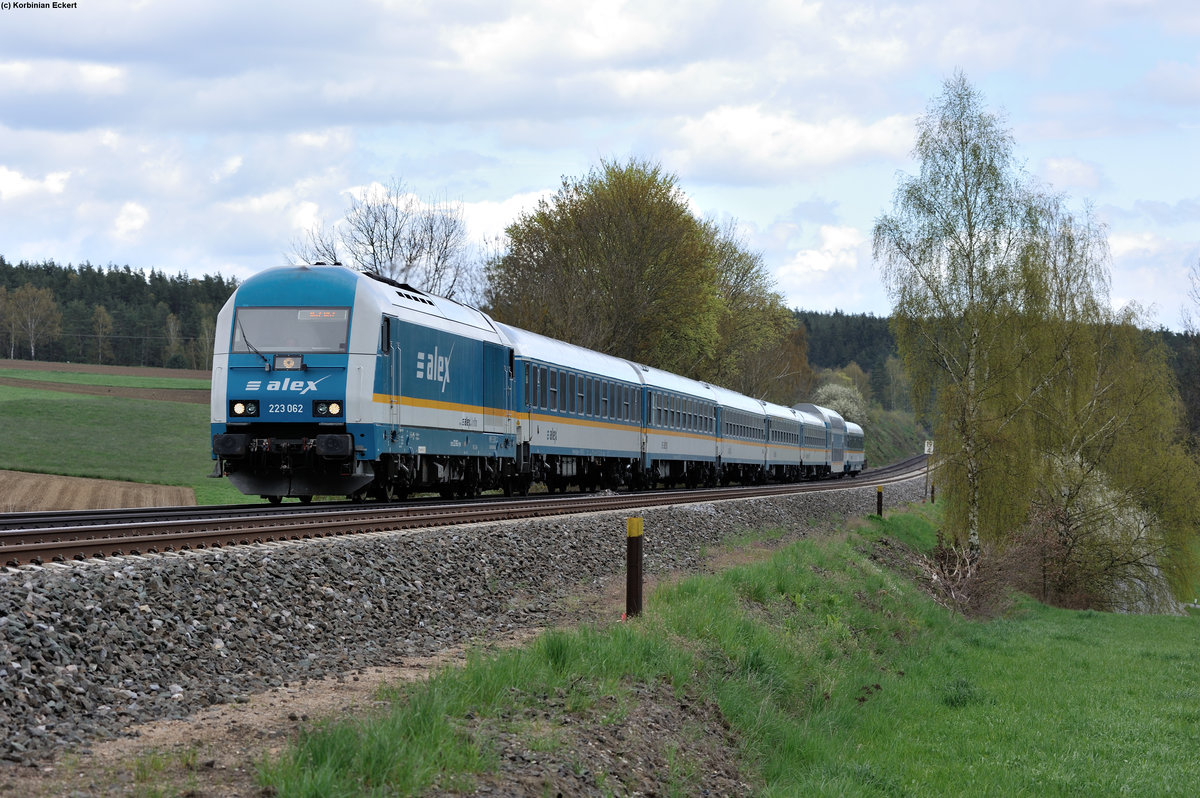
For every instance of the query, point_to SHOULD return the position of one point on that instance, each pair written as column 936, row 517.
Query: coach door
column 390, row 346
column 497, row 388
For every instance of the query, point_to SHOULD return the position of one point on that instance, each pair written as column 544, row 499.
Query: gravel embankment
column 88, row 649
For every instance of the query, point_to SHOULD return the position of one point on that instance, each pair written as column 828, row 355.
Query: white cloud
column 839, row 250
column 1136, row 244
column 130, row 221
column 57, row 76
column 15, row 71
column 227, row 169
column 1069, row 173
column 13, row 184
column 557, row 33
column 487, row 219
column 101, row 75
column 761, row 144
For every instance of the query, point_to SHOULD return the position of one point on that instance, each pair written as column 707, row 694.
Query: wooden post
column 879, row 500
column 633, row 567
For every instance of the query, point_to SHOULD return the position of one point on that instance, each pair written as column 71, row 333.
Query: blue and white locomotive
column 332, row 382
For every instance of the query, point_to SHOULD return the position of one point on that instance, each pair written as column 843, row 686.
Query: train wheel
column 306, row 499
column 274, row 499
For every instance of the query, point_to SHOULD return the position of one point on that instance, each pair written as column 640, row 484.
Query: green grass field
column 108, row 437
column 115, row 380
column 837, row 676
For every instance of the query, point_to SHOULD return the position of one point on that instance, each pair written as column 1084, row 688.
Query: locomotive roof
column 405, row 296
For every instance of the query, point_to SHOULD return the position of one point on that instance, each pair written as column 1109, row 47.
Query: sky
column 207, row 137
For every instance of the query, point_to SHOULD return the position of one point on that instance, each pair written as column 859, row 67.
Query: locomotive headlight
column 243, row 408
column 326, row 408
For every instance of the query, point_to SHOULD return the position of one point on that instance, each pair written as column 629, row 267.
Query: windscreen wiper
column 250, row 346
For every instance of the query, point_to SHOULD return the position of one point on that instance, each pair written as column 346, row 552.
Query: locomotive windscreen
column 291, row 330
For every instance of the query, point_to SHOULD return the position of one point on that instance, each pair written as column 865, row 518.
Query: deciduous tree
column 1053, row 411
column 968, row 295
column 102, row 326
column 37, row 316
column 614, row 261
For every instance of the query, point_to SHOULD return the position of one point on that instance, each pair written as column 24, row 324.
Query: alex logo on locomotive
column 434, row 366
column 292, row 386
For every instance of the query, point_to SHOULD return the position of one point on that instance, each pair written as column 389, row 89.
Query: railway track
column 58, row 537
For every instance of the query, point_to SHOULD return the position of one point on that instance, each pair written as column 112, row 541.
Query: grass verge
column 835, row 675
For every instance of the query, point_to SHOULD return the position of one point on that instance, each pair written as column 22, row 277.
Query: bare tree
column 1189, row 321
column 317, row 245
column 390, row 231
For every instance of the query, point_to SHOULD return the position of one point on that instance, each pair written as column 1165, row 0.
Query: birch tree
column 102, row 328
column 36, row 316
column 949, row 254
column 976, row 260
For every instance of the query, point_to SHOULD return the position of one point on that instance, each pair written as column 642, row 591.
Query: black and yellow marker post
column 633, row 567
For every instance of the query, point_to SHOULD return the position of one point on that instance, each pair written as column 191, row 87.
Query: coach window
column 526, row 370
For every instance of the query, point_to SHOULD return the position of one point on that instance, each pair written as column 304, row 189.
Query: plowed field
column 23, row 492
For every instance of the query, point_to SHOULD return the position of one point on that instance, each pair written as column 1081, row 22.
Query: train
column 327, row 381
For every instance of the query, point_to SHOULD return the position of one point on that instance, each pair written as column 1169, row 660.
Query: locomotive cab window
column 291, row 331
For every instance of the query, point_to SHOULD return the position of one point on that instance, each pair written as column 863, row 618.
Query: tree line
column 108, row 315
